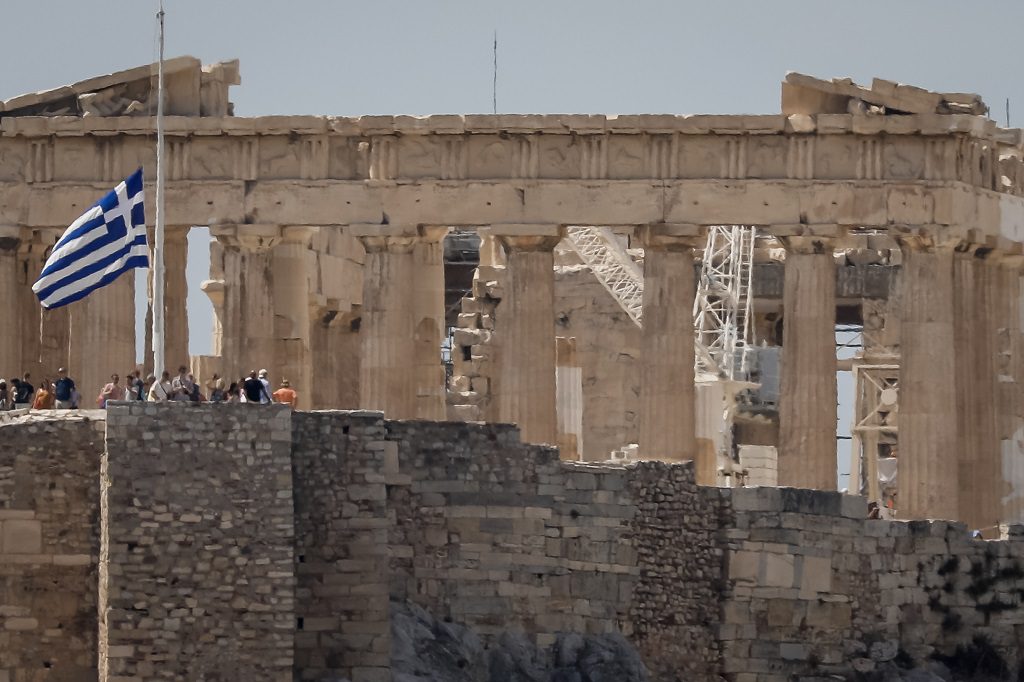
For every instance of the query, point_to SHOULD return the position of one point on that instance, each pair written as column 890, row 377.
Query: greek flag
column 108, row 240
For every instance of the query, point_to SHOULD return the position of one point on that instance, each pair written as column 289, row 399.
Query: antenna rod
column 1007, row 112
column 494, row 83
column 159, row 347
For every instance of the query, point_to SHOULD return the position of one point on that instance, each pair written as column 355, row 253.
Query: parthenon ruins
column 890, row 209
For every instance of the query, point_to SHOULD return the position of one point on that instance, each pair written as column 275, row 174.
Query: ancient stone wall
column 248, row 541
column 198, row 579
column 49, row 548
column 815, row 589
column 341, row 545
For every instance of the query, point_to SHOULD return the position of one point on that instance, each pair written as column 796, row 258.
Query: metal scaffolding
column 721, row 308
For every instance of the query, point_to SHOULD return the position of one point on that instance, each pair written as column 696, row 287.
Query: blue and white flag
column 108, row 240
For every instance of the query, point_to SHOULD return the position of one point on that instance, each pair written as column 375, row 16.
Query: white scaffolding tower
column 721, row 308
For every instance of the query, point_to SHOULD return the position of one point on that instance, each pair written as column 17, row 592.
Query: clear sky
column 593, row 56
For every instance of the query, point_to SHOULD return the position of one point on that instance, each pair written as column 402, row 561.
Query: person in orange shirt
column 286, row 395
column 44, row 397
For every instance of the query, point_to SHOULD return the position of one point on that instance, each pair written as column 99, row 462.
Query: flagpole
column 159, row 361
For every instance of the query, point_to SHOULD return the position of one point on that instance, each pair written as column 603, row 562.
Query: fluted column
column 31, row 258
column 526, row 324
column 975, row 305
column 807, row 403
column 667, row 392
column 55, row 325
column 428, row 256
column 387, row 380
column 1011, row 398
column 928, row 481
column 293, row 266
column 176, row 297
column 10, row 310
column 102, row 336
column 248, row 322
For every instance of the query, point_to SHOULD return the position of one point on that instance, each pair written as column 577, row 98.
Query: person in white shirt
column 265, row 396
column 161, row 390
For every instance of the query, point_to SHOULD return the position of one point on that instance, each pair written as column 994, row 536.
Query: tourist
column 136, row 389
column 64, row 391
column 182, row 386
column 195, row 395
column 146, row 385
column 5, row 397
column 24, row 393
column 215, row 389
column 265, row 380
column 160, row 391
column 253, row 390
column 286, row 395
column 44, row 397
column 234, row 394
column 112, row 391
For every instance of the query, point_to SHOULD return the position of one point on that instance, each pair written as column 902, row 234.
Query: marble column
column 55, row 325
column 102, row 336
column 248, row 318
column 1011, row 399
column 667, row 392
column 10, row 310
column 975, row 308
column 526, row 325
column 807, row 401
column 387, row 380
column 31, row 258
column 336, row 352
column 428, row 258
column 175, row 301
column 176, row 297
column 293, row 265
column 927, row 481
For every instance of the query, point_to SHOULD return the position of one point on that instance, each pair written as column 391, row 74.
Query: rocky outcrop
column 425, row 649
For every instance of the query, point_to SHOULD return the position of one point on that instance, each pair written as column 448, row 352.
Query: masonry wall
column 340, row 462
column 244, row 542
column 198, row 579
column 815, row 589
column 49, row 548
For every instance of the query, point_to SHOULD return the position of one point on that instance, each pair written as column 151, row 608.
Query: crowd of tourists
column 62, row 393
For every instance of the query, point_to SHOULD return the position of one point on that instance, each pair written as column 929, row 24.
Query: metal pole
column 159, row 347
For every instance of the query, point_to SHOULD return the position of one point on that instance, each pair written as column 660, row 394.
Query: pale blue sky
column 599, row 56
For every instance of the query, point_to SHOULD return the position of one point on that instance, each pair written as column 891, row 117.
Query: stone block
column 745, row 566
column 815, row 576
column 778, row 570
column 22, row 537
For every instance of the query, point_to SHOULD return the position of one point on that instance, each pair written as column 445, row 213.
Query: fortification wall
column 815, row 589
column 342, row 524
column 49, row 548
column 239, row 542
column 198, row 575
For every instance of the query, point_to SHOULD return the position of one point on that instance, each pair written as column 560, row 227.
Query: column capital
column 380, row 243
column 176, row 233
column 806, row 246
column 251, row 237
column 672, row 236
column 10, row 237
column 299, row 234
column 525, row 237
